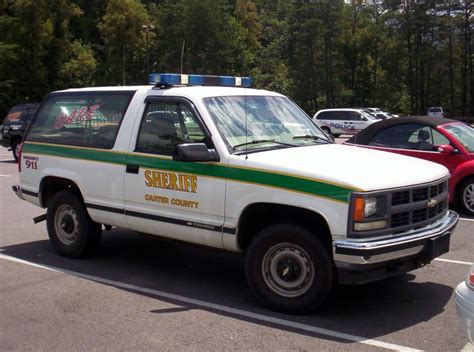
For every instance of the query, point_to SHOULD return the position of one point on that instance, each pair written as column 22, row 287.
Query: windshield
column 435, row 110
column 368, row 115
column 270, row 122
column 463, row 133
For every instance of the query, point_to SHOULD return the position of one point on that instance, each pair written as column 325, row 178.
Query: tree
column 124, row 41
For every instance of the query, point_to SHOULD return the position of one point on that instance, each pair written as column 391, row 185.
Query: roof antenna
column 182, row 55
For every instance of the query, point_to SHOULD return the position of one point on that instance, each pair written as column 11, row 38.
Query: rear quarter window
column 83, row 119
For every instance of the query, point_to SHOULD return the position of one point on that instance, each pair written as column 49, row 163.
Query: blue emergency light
column 173, row 79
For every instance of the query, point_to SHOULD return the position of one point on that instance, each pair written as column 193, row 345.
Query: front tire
column 466, row 196
column 289, row 269
column 71, row 231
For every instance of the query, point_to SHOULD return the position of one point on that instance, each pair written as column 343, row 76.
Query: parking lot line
column 466, row 219
column 453, row 261
column 221, row 308
column 5, row 176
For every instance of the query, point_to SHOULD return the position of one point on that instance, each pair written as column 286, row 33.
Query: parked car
column 382, row 115
column 465, row 303
column 14, row 126
column 447, row 142
column 343, row 121
column 438, row 111
column 374, row 110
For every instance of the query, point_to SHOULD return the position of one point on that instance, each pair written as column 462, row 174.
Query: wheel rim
column 66, row 224
column 288, row 270
column 468, row 197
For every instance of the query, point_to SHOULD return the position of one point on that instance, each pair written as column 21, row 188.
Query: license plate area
column 438, row 246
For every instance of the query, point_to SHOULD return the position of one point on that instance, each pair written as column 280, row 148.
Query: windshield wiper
column 258, row 141
column 310, row 136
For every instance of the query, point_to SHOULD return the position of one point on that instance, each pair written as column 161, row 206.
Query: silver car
column 465, row 303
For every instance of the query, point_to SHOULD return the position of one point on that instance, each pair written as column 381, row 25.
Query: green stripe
column 292, row 183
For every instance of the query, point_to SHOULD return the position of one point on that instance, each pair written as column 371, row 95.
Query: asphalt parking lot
column 138, row 293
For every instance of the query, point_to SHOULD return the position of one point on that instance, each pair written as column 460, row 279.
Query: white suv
column 343, row 121
column 436, row 111
column 242, row 170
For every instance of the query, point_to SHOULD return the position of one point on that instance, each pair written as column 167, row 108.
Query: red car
column 447, row 142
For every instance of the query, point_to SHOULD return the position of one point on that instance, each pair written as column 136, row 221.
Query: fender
column 463, row 170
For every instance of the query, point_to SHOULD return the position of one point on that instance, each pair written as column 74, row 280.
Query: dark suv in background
column 14, row 126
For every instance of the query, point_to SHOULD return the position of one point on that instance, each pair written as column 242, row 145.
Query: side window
column 165, row 124
column 439, row 139
column 406, row 136
column 325, row 116
column 354, row 116
column 337, row 115
column 384, row 138
column 82, row 119
column 417, row 137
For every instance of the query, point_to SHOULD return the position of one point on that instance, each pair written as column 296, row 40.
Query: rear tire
column 70, row 229
column 465, row 196
column 289, row 269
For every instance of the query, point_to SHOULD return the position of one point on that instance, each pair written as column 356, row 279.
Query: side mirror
column 447, row 149
column 364, row 118
column 194, row 152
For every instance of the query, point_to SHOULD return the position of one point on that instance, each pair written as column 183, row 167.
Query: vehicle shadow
column 217, row 277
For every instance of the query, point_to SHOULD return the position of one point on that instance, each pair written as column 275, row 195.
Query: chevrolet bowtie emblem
column 432, row 203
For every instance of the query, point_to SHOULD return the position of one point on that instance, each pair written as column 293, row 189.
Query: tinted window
column 410, row 136
column 384, row 138
column 166, row 124
column 354, row 116
column 326, row 115
column 86, row 119
column 435, row 109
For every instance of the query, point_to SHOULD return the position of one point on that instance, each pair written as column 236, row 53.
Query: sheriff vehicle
column 207, row 160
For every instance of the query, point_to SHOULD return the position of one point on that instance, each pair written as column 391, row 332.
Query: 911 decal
column 31, row 162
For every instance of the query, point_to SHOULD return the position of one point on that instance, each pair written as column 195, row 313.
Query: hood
column 349, row 166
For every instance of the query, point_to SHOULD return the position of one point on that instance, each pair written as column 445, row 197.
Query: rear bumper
column 360, row 261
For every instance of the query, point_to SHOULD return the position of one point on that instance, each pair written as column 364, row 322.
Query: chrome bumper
column 359, row 252
column 17, row 190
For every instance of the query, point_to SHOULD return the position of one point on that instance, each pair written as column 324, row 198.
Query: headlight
column 369, row 212
column 370, row 207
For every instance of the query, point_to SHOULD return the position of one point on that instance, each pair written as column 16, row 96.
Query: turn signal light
column 359, row 205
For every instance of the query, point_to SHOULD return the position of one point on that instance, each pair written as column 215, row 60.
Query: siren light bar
column 173, row 79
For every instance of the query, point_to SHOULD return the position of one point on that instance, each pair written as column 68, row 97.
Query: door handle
column 132, row 168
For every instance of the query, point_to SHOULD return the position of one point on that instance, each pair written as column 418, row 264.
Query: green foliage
column 403, row 56
column 78, row 70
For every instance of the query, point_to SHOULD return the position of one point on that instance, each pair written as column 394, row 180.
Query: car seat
column 423, row 143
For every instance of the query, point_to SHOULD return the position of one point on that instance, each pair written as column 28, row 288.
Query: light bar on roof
column 173, row 79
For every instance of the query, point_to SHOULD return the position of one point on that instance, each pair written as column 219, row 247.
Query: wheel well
column 51, row 185
column 259, row 215
column 458, row 186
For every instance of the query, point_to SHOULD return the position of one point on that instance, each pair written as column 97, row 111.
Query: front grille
column 417, row 206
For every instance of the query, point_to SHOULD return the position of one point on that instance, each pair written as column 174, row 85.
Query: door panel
column 180, row 200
